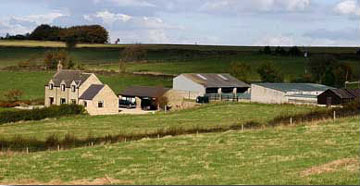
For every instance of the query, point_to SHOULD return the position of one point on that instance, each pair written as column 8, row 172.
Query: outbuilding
column 211, row 85
column 279, row 93
column 338, row 96
column 141, row 97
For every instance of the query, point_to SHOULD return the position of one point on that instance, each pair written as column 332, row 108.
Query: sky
column 214, row 22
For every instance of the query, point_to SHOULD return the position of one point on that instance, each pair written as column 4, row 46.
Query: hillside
column 321, row 153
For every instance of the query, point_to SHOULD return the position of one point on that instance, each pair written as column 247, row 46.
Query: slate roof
column 144, row 91
column 213, row 80
column 346, row 93
column 91, row 92
column 68, row 76
column 295, row 87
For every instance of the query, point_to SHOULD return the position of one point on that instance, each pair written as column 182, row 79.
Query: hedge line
column 39, row 114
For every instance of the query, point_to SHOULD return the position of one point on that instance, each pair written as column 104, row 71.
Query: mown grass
column 32, row 83
column 306, row 154
column 224, row 114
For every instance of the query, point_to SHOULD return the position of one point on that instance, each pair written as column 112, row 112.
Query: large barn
column 278, row 93
column 193, row 85
column 338, row 96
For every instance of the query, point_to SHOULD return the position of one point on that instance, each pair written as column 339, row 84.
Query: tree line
column 75, row 34
column 323, row 69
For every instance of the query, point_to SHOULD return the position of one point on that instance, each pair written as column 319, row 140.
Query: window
column 201, row 76
column 62, row 101
column 100, row 104
column 73, row 101
column 51, row 86
column 63, row 87
column 73, row 88
column 85, row 104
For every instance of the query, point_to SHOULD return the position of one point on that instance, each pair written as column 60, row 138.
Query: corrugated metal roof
column 91, row 92
column 295, row 87
column 68, row 76
column 144, row 91
column 213, row 80
column 346, row 93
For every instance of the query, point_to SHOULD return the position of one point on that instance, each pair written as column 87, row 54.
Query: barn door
column 328, row 101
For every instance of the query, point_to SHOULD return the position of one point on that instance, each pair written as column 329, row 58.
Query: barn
column 192, row 85
column 279, row 93
column 338, row 96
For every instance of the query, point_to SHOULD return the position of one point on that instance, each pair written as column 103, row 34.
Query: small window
column 62, row 101
column 100, row 104
column 51, row 86
column 73, row 101
column 73, row 88
column 85, row 104
column 63, row 87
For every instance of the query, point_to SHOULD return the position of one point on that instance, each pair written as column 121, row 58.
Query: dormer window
column 62, row 86
column 51, row 86
column 73, row 88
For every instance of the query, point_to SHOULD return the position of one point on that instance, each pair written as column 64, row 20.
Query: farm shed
column 142, row 97
column 338, row 96
column 278, row 93
column 193, row 85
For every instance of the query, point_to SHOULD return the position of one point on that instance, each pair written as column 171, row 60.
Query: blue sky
column 225, row 22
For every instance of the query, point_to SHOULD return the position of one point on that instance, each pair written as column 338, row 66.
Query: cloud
column 109, row 18
column 348, row 7
column 124, row 3
column 256, row 5
column 279, row 40
column 25, row 24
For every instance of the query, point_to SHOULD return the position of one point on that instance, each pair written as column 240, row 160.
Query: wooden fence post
column 58, row 147
column 334, row 115
column 291, row 120
column 242, row 127
column 27, row 150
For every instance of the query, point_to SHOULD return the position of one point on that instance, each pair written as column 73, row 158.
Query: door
column 51, row 100
column 328, row 101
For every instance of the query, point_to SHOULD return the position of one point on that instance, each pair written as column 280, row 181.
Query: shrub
column 270, row 74
column 38, row 114
column 13, row 95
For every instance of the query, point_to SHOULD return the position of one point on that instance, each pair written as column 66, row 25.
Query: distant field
column 206, row 116
column 316, row 154
column 32, row 83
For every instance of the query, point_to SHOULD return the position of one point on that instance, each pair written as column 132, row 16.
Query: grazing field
column 212, row 115
column 319, row 153
column 32, row 83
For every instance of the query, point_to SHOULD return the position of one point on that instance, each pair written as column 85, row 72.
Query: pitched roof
column 91, row 92
column 295, row 87
column 346, row 93
column 215, row 80
column 144, row 91
column 68, row 76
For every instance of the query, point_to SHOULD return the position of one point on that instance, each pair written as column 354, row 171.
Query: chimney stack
column 59, row 66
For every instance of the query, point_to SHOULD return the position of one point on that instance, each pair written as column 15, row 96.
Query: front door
column 51, row 100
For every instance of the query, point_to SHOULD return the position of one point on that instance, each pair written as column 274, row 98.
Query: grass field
column 212, row 115
column 321, row 153
column 32, row 83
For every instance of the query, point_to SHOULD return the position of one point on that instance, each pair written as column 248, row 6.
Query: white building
column 278, row 93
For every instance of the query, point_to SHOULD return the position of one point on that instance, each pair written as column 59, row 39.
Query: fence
column 227, row 97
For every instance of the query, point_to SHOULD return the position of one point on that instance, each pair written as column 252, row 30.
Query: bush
column 268, row 73
column 13, row 95
column 38, row 114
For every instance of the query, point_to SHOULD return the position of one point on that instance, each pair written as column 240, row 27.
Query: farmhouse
column 76, row 87
column 142, row 97
column 278, row 93
column 338, row 96
column 212, row 85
